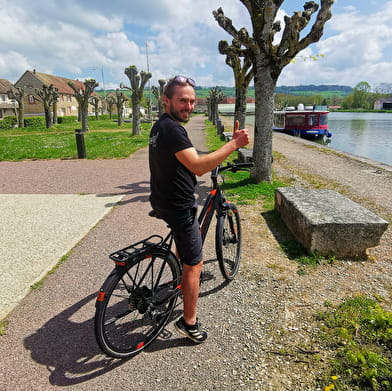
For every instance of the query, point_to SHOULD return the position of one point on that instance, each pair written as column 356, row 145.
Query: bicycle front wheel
column 228, row 241
column 136, row 302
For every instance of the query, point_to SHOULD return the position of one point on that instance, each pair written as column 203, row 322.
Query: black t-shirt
column 172, row 184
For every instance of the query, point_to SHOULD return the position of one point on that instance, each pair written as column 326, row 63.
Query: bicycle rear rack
column 121, row 257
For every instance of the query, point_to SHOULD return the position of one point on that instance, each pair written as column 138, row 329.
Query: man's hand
column 240, row 136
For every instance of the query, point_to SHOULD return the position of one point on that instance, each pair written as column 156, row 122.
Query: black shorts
column 186, row 231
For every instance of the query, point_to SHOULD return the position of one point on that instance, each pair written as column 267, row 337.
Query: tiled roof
column 5, row 85
column 59, row 82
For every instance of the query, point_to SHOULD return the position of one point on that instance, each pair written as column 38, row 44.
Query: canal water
column 364, row 134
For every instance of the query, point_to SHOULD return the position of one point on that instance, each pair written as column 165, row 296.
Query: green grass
column 238, row 186
column 105, row 140
column 359, row 331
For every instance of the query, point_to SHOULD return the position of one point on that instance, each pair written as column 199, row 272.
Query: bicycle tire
column 136, row 302
column 228, row 241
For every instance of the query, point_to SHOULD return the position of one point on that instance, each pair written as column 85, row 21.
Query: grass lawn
column 105, row 140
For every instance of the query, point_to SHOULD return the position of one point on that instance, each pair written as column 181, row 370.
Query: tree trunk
column 55, row 113
column 262, row 149
column 84, row 116
column 21, row 114
column 135, row 115
column 240, row 106
column 48, row 119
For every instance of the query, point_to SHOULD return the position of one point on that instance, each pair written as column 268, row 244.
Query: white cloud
column 74, row 37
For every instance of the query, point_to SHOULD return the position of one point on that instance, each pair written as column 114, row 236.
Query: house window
column 69, row 98
column 31, row 99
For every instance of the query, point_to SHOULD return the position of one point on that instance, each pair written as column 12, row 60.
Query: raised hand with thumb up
column 240, row 136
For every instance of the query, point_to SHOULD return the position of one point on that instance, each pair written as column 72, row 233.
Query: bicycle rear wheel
column 228, row 241
column 136, row 302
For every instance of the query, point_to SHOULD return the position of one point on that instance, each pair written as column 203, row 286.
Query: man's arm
column 199, row 165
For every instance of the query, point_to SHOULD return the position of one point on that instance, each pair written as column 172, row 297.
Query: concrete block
column 325, row 221
column 245, row 155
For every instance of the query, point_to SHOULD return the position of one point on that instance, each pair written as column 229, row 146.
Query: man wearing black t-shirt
column 174, row 164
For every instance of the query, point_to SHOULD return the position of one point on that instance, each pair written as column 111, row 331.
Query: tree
column 269, row 59
column 215, row 96
column 239, row 60
column 48, row 96
column 360, row 95
column 110, row 101
column 158, row 93
column 82, row 95
column 137, row 87
column 94, row 101
column 19, row 94
column 119, row 99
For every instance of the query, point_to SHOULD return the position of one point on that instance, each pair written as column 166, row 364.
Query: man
column 174, row 164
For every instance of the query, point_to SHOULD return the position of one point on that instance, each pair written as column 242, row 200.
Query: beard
column 180, row 116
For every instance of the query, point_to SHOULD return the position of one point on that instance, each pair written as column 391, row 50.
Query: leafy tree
column 19, row 94
column 82, row 95
column 360, row 95
column 138, row 83
column 269, row 59
column 48, row 96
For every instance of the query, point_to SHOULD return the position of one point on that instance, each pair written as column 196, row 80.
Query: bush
column 67, row 120
column 34, row 122
column 8, row 122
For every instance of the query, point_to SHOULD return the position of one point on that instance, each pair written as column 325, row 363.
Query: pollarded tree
column 95, row 101
column 269, row 59
column 48, row 96
column 19, row 94
column 158, row 93
column 110, row 102
column 82, row 96
column 137, row 87
column 239, row 60
column 214, row 97
column 119, row 99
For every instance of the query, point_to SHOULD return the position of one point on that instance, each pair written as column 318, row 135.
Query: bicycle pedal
column 206, row 276
column 165, row 334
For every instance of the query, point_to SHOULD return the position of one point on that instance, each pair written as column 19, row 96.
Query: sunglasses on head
column 183, row 79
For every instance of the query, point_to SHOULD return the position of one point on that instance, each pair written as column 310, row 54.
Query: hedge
column 8, row 122
column 34, row 122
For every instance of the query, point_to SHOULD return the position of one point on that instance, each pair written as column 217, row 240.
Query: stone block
column 325, row 221
column 245, row 155
column 227, row 136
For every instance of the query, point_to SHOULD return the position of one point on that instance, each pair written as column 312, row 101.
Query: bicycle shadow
column 68, row 348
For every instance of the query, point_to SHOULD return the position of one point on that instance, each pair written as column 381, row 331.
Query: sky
column 81, row 39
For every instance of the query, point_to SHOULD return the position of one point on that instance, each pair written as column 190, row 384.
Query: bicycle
column 138, row 297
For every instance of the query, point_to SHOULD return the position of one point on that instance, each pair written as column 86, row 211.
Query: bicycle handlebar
column 233, row 167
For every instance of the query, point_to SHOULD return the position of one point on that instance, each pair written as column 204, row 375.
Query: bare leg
column 190, row 285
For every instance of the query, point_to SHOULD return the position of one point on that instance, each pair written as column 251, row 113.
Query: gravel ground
column 262, row 335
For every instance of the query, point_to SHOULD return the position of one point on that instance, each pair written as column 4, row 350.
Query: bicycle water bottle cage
column 121, row 257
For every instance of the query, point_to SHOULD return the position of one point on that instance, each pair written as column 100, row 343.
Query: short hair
column 169, row 87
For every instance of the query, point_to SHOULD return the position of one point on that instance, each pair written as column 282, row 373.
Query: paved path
column 55, row 205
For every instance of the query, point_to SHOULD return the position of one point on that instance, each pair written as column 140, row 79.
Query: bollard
column 79, row 134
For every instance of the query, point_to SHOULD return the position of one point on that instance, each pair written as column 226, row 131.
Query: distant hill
column 305, row 90
column 311, row 89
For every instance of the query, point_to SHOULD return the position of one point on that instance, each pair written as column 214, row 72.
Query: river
column 364, row 134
